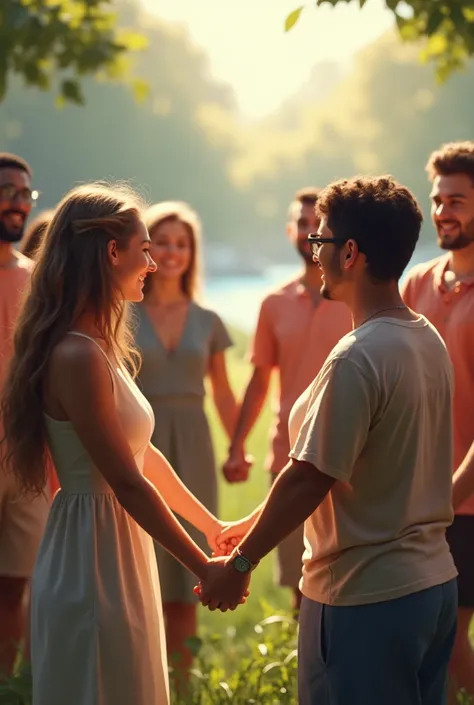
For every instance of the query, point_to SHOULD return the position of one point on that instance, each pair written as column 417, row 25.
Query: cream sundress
column 97, row 635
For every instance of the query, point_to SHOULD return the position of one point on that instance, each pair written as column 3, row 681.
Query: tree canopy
column 186, row 140
column 447, row 26
column 59, row 42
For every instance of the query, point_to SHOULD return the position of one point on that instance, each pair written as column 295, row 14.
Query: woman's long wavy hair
column 178, row 212
column 72, row 276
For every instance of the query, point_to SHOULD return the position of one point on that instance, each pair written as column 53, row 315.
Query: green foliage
column 41, row 40
column 176, row 144
column 17, row 689
column 265, row 673
column 447, row 26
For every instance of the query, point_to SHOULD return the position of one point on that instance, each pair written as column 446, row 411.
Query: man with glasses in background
column 22, row 520
column 296, row 331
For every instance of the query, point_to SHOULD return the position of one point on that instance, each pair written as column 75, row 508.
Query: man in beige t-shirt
column 22, row 520
column 297, row 328
column 371, row 473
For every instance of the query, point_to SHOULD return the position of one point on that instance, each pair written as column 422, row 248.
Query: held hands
column 237, row 466
column 223, row 588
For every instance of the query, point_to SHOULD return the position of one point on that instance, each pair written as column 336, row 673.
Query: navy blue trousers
column 387, row 653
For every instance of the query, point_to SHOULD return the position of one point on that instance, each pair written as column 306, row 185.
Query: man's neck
column 7, row 254
column 462, row 262
column 374, row 300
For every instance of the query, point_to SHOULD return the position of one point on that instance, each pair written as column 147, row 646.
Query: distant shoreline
column 237, row 298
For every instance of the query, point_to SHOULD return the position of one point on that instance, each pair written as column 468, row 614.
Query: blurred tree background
column 184, row 138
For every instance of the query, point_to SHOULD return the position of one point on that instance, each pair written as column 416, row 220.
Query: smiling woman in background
column 35, row 233
column 181, row 343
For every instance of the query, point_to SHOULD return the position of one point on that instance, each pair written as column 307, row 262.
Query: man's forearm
column 463, row 480
column 227, row 410
column 298, row 491
column 249, row 411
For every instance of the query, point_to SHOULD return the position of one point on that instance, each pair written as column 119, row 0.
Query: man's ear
column 351, row 252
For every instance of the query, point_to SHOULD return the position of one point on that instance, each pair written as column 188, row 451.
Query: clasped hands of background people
column 237, row 466
column 224, row 588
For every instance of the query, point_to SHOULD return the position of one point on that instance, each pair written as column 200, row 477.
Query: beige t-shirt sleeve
column 339, row 415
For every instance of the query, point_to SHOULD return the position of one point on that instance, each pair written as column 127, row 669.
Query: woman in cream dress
column 97, row 624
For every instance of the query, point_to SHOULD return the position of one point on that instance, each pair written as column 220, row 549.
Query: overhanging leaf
column 293, row 18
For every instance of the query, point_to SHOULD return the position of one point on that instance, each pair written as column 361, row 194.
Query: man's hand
column 237, row 466
column 223, row 587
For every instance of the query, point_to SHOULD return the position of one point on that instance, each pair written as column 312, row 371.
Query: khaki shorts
column 289, row 557
column 22, row 522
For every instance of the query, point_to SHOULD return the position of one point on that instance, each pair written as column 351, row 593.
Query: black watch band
column 241, row 563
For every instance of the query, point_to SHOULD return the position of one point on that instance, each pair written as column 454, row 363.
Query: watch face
column 241, row 564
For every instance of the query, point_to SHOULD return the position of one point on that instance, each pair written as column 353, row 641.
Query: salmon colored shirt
column 295, row 336
column 452, row 313
column 14, row 279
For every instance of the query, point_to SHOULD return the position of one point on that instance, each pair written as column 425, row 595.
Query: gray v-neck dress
column 173, row 383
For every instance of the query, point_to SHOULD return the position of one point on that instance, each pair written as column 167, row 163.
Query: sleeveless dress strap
column 88, row 337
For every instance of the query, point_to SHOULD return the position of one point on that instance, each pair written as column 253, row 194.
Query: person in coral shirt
column 22, row 520
column 443, row 291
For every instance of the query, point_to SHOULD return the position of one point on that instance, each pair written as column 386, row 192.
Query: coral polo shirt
column 451, row 311
column 295, row 336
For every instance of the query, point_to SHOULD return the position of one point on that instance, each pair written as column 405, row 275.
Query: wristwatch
column 241, row 563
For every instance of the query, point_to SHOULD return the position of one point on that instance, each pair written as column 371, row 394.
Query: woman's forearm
column 175, row 493
column 228, row 411
column 143, row 502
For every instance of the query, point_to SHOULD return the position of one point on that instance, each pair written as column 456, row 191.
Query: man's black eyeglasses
column 9, row 192
column 315, row 242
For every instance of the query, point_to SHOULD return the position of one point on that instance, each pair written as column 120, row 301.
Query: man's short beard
column 11, row 236
column 459, row 243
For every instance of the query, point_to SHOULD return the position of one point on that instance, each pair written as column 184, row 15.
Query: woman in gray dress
column 181, row 343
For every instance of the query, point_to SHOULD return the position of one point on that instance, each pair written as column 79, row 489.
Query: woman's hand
column 213, row 533
column 231, row 535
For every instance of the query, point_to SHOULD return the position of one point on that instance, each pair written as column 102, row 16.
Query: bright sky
column 248, row 47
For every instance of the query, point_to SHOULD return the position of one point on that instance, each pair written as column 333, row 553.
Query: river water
column 237, row 299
